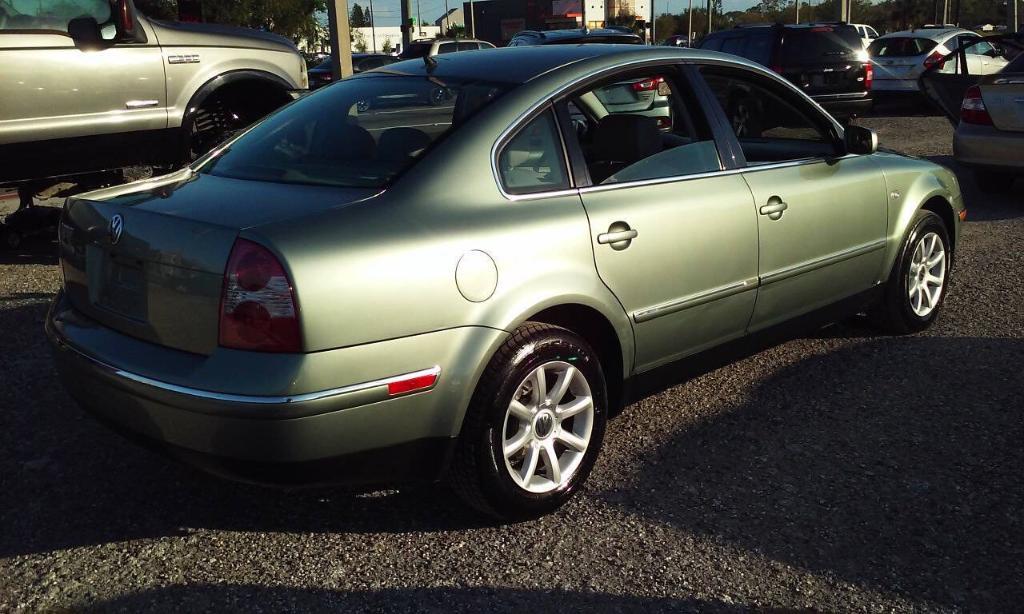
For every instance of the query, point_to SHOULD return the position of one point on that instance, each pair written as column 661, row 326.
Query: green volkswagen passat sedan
column 458, row 269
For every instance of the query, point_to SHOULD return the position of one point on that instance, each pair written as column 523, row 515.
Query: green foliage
column 359, row 41
column 294, row 19
column 387, row 46
column 357, row 18
column 455, row 31
column 158, row 9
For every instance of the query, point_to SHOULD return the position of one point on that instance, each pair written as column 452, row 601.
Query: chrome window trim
column 253, row 399
column 818, row 263
column 693, row 300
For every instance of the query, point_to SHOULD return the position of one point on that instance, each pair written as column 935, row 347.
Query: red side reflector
column 412, row 383
column 963, row 215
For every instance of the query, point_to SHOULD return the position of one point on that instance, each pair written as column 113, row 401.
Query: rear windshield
column 818, row 44
column 416, row 50
column 361, row 132
column 900, row 47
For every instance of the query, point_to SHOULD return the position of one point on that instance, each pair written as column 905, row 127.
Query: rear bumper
column 989, row 148
column 845, row 106
column 352, row 433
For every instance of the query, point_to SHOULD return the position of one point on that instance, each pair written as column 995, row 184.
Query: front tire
column 917, row 286
column 534, row 426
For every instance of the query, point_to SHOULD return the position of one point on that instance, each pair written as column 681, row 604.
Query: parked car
column 901, row 58
column 826, row 61
column 867, row 33
column 469, row 294
column 987, row 111
column 93, row 85
column 428, row 47
column 575, row 36
column 676, row 40
column 642, row 95
column 323, row 73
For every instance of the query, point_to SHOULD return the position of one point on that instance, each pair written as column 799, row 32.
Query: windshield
column 820, row 43
column 360, row 133
column 415, row 50
column 900, row 47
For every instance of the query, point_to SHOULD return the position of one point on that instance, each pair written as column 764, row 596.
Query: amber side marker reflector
column 412, row 383
column 963, row 215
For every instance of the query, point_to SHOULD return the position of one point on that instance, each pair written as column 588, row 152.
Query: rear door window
column 533, row 160
column 900, row 47
column 468, row 46
column 446, row 48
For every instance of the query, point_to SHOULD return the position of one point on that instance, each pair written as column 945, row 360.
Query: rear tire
column 992, row 182
column 522, row 454
column 920, row 277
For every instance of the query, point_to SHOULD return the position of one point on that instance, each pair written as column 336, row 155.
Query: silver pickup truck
column 92, row 85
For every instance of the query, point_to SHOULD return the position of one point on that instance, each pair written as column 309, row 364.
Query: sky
column 388, row 10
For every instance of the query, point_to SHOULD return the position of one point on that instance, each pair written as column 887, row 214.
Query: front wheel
column 917, row 286
column 534, row 426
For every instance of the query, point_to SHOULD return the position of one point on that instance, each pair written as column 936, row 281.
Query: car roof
column 935, row 34
column 561, row 36
column 522, row 64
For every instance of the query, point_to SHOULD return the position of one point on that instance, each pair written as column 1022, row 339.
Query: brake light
column 935, row 59
column 257, row 305
column 648, row 85
column 869, row 75
column 972, row 110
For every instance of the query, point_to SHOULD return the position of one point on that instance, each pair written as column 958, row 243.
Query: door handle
column 774, row 208
column 619, row 236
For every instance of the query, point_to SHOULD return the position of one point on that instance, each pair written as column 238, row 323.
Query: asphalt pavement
column 844, row 471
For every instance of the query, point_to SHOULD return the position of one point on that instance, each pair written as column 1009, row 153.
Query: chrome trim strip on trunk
column 812, row 265
column 694, row 300
column 254, row 399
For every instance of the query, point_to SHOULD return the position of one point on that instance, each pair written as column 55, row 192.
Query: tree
column 294, row 19
column 158, row 9
column 358, row 19
column 358, row 41
column 455, row 31
column 387, row 46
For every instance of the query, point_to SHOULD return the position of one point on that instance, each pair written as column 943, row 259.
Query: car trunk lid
column 1004, row 99
column 150, row 262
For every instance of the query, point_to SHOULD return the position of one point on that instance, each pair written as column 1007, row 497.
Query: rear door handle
column 774, row 208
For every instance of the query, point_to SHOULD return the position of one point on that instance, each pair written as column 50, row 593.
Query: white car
column 900, row 58
column 867, row 33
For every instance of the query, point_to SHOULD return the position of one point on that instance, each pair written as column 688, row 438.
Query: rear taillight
column 972, row 110
column 869, row 75
column 257, row 305
column 648, row 85
column 935, row 59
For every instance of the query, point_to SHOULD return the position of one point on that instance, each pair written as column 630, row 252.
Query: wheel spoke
column 563, row 412
column 932, row 279
column 572, row 440
column 517, row 443
column 927, row 297
column 530, row 464
column 913, row 285
column 520, row 411
column 540, row 386
column 562, row 385
column 935, row 260
column 551, row 461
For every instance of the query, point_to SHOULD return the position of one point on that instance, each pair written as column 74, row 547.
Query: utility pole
column 406, row 29
column 797, row 12
column 373, row 29
column 472, row 20
column 341, row 41
column 419, row 19
column 843, row 11
column 711, row 8
column 1016, row 19
column 689, row 26
column 447, row 19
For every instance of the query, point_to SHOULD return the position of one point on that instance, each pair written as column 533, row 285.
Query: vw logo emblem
column 544, row 424
column 116, row 228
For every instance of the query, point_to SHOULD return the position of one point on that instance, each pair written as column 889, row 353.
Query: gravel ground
column 840, row 472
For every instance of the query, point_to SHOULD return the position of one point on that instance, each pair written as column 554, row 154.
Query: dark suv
column 575, row 36
column 827, row 61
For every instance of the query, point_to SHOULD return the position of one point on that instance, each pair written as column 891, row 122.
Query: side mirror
column 86, row 34
column 860, row 140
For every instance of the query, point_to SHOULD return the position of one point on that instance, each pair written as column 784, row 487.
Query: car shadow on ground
column 33, row 251
column 983, row 206
column 249, row 598
column 892, row 463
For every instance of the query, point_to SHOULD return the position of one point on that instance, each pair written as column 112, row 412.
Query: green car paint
column 435, row 269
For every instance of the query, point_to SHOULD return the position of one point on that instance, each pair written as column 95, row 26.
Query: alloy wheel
column 547, row 427
column 926, row 275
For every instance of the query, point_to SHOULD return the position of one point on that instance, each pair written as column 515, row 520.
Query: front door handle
column 774, row 208
column 619, row 236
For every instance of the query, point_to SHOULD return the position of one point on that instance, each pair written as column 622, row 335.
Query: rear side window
column 533, row 161
column 468, row 47
column 900, row 47
column 819, row 44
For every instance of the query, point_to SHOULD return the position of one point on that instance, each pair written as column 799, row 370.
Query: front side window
column 360, row 132
column 532, row 161
column 641, row 126
column 772, row 125
column 54, row 15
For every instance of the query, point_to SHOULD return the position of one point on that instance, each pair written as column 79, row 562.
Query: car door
column 674, row 236
column 53, row 90
column 821, row 215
